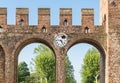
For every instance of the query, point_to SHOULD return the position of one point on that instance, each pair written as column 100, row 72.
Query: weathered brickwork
column 105, row 37
column 44, row 18
column 113, row 41
column 22, row 16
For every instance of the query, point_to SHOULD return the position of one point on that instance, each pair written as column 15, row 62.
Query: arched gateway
column 106, row 38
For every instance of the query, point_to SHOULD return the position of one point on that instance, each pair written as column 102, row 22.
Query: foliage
column 34, row 78
column 90, row 71
column 69, row 72
column 23, row 73
column 45, row 65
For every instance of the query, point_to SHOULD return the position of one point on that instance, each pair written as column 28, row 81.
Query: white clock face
column 60, row 40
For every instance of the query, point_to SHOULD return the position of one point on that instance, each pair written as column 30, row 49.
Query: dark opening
column 112, row 2
column 104, row 20
column 65, row 22
column 0, row 28
column 22, row 22
column 44, row 29
column 87, row 30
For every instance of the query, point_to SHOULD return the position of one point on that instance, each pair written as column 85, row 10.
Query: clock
column 60, row 40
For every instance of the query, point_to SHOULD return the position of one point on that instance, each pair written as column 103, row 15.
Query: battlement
column 3, row 11
column 88, row 20
column 22, row 11
column 3, row 17
column 44, row 11
column 65, row 11
column 87, row 11
column 22, row 19
column 66, row 17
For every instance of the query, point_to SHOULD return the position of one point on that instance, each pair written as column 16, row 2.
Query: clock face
column 60, row 40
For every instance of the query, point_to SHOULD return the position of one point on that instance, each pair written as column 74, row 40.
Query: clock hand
column 61, row 41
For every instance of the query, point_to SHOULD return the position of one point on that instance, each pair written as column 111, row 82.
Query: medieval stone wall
column 114, row 41
column 15, row 37
column 106, row 38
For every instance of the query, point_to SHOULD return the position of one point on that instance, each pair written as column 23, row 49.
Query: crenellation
column 66, row 11
column 3, row 18
column 66, row 17
column 44, row 19
column 43, row 11
column 22, row 16
column 87, row 20
column 86, row 11
column 22, row 11
column 3, row 11
column 22, row 19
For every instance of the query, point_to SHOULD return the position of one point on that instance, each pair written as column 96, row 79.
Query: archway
column 2, row 65
column 101, row 50
column 24, row 44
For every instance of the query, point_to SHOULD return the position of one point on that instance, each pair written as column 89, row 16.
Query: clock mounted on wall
column 60, row 40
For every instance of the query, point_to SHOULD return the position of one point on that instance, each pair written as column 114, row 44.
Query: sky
column 77, row 52
column 54, row 5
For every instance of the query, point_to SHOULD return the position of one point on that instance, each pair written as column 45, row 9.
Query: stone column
column 2, row 66
column 9, row 64
column 8, row 71
column 60, row 66
column 114, row 58
column 102, row 67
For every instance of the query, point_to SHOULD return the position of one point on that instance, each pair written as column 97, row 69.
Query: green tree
column 35, row 78
column 23, row 73
column 69, row 71
column 90, row 71
column 45, row 65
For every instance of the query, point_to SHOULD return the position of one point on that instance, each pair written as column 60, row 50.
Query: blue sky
column 76, row 6
column 77, row 52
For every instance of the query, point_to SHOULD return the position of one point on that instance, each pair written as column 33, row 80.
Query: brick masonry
column 105, row 37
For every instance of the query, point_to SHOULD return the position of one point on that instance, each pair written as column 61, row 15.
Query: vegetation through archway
column 86, row 57
column 43, row 63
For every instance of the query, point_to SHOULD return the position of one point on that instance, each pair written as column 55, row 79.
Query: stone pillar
column 102, row 67
column 8, row 72
column 2, row 65
column 9, row 64
column 60, row 66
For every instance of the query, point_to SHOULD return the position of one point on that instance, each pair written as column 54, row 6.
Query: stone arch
column 100, row 48
column 2, row 65
column 20, row 45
